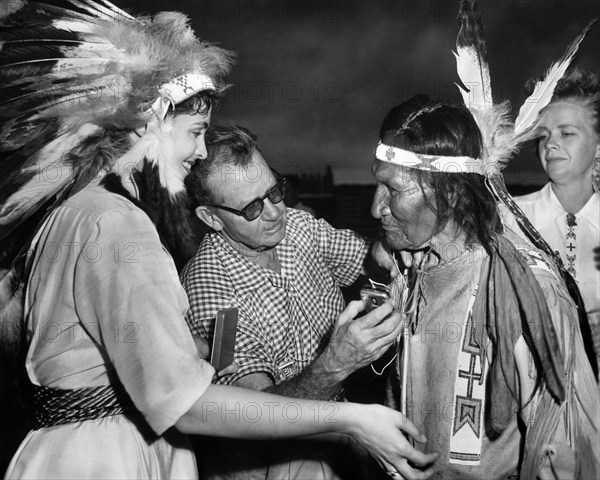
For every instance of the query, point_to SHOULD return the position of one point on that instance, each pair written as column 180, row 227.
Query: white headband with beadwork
column 185, row 86
column 431, row 163
column 179, row 89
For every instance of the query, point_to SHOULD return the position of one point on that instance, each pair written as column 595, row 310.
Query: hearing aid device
column 373, row 297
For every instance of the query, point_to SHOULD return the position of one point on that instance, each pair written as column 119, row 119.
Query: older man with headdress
column 492, row 337
column 480, row 351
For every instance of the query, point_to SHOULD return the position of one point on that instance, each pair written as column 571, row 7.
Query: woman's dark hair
column 199, row 103
column 423, row 126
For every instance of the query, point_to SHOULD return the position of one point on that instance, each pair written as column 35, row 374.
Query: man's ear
column 209, row 217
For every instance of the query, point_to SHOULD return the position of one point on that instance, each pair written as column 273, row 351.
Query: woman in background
column 566, row 211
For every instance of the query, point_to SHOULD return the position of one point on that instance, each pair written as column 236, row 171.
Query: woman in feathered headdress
column 101, row 117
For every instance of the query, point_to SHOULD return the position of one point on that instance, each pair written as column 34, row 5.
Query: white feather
column 544, row 89
column 475, row 76
column 49, row 174
column 157, row 147
column 161, row 152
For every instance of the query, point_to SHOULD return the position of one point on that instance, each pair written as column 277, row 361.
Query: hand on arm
column 377, row 428
column 203, row 349
column 202, row 346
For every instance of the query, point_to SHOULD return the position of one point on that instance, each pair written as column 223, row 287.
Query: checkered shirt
column 285, row 319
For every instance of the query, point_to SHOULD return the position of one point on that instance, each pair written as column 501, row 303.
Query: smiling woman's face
column 567, row 141
column 187, row 133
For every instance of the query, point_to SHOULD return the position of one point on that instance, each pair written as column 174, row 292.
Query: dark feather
column 44, row 73
column 17, row 149
column 61, row 12
column 83, row 9
column 170, row 216
column 21, row 66
column 98, row 10
column 81, row 95
column 19, row 132
column 85, row 60
column 31, row 102
column 26, row 16
column 114, row 8
column 471, row 27
column 35, row 52
column 36, row 33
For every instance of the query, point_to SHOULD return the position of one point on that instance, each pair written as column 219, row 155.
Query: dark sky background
column 314, row 79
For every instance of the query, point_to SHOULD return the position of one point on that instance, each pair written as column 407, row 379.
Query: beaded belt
column 56, row 406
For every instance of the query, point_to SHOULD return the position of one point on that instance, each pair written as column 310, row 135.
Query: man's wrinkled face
column 237, row 187
column 399, row 202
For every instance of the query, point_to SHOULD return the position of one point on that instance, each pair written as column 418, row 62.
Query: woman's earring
column 596, row 175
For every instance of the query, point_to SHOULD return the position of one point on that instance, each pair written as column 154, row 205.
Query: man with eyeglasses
column 283, row 270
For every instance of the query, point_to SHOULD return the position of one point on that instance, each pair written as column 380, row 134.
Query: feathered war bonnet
column 77, row 76
column 70, row 74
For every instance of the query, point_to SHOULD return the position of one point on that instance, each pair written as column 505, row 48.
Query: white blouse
column 575, row 242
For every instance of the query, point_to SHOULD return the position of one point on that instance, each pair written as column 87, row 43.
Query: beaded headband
column 431, row 163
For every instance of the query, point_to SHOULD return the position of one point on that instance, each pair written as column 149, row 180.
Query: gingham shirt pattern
column 285, row 319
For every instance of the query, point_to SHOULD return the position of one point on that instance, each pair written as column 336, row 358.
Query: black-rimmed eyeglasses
column 253, row 210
